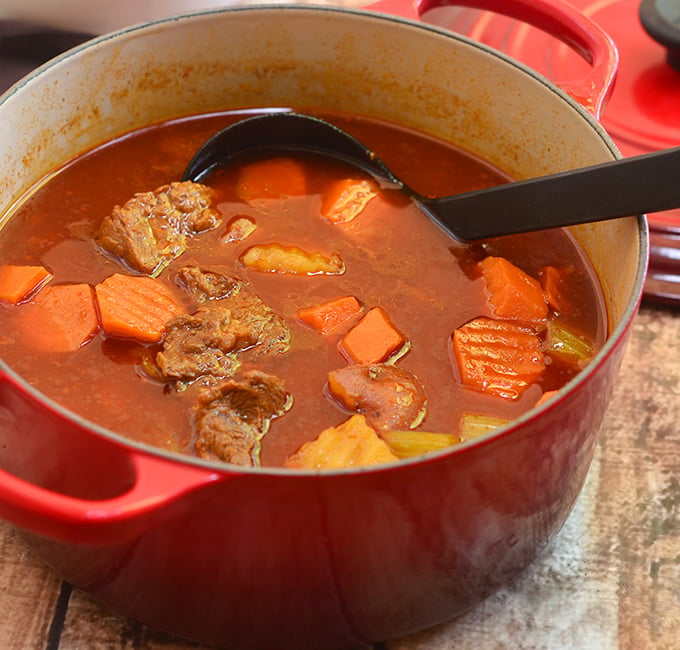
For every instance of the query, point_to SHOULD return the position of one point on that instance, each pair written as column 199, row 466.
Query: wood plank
column 92, row 626
column 28, row 593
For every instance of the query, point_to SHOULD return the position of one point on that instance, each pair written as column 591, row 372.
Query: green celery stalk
column 567, row 344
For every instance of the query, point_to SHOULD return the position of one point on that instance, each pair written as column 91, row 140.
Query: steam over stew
column 286, row 311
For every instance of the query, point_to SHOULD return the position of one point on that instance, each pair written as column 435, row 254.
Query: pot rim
column 616, row 335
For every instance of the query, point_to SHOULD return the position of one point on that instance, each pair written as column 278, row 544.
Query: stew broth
column 394, row 257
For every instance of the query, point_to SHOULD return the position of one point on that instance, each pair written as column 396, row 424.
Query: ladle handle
column 628, row 187
column 554, row 17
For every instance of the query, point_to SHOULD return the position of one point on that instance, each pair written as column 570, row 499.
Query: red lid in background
column 643, row 113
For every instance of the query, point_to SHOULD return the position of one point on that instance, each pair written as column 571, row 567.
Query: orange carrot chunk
column 135, row 307
column 18, row 282
column 545, row 397
column 272, row 178
column 373, row 339
column 351, row 444
column 513, row 293
column 553, row 280
column 61, row 318
column 346, row 199
column 330, row 316
column 497, row 357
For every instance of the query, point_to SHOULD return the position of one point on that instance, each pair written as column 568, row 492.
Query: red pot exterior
column 274, row 561
column 278, row 559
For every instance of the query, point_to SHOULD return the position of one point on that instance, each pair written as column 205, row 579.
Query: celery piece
column 406, row 444
column 566, row 344
column 476, row 424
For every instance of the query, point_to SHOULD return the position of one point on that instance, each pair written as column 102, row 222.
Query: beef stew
column 286, row 297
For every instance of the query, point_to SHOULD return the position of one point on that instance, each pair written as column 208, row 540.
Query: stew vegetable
column 288, row 310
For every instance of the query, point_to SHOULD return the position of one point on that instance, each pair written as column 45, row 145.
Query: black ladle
column 632, row 186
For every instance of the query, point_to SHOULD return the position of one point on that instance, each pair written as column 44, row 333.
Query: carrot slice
column 513, row 293
column 351, row 444
column 271, row 179
column 136, row 307
column 553, row 281
column 330, row 316
column 373, row 339
column 61, row 318
column 501, row 358
column 545, row 397
column 346, row 199
column 18, row 282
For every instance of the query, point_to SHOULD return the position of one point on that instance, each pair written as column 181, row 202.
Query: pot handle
column 555, row 17
column 158, row 491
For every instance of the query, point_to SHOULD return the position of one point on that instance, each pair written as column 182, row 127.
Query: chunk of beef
column 270, row 330
column 203, row 344
column 230, row 319
column 151, row 229
column 232, row 416
column 389, row 397
column 266, row 326
column 204, row 285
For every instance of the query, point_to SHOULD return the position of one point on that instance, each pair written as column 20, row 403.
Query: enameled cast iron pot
column 266, row 558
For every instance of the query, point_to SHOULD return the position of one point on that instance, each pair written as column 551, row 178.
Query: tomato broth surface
column 393, row 258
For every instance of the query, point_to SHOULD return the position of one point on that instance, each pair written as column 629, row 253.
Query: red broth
column 398, row 260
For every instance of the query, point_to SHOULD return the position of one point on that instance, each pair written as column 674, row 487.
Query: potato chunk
column 346, row 199
column 351, row 444
column 276, row 258
column 239, row 229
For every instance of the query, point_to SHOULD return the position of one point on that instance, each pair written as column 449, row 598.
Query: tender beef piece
column 203, row 344
column 270, row 330
column 204, row 285
column 230, row 319
column 389, row 397
column 152, row 228
column 232, row 416
column 266, row 327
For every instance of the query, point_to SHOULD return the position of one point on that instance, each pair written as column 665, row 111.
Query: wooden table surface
column 610, row 580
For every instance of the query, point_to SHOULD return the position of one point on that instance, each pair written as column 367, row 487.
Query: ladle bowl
column 620, row 188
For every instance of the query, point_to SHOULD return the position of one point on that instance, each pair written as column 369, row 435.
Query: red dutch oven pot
column 269, row 558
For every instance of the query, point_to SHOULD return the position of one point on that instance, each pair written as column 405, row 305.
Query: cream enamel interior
column 305, row 56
